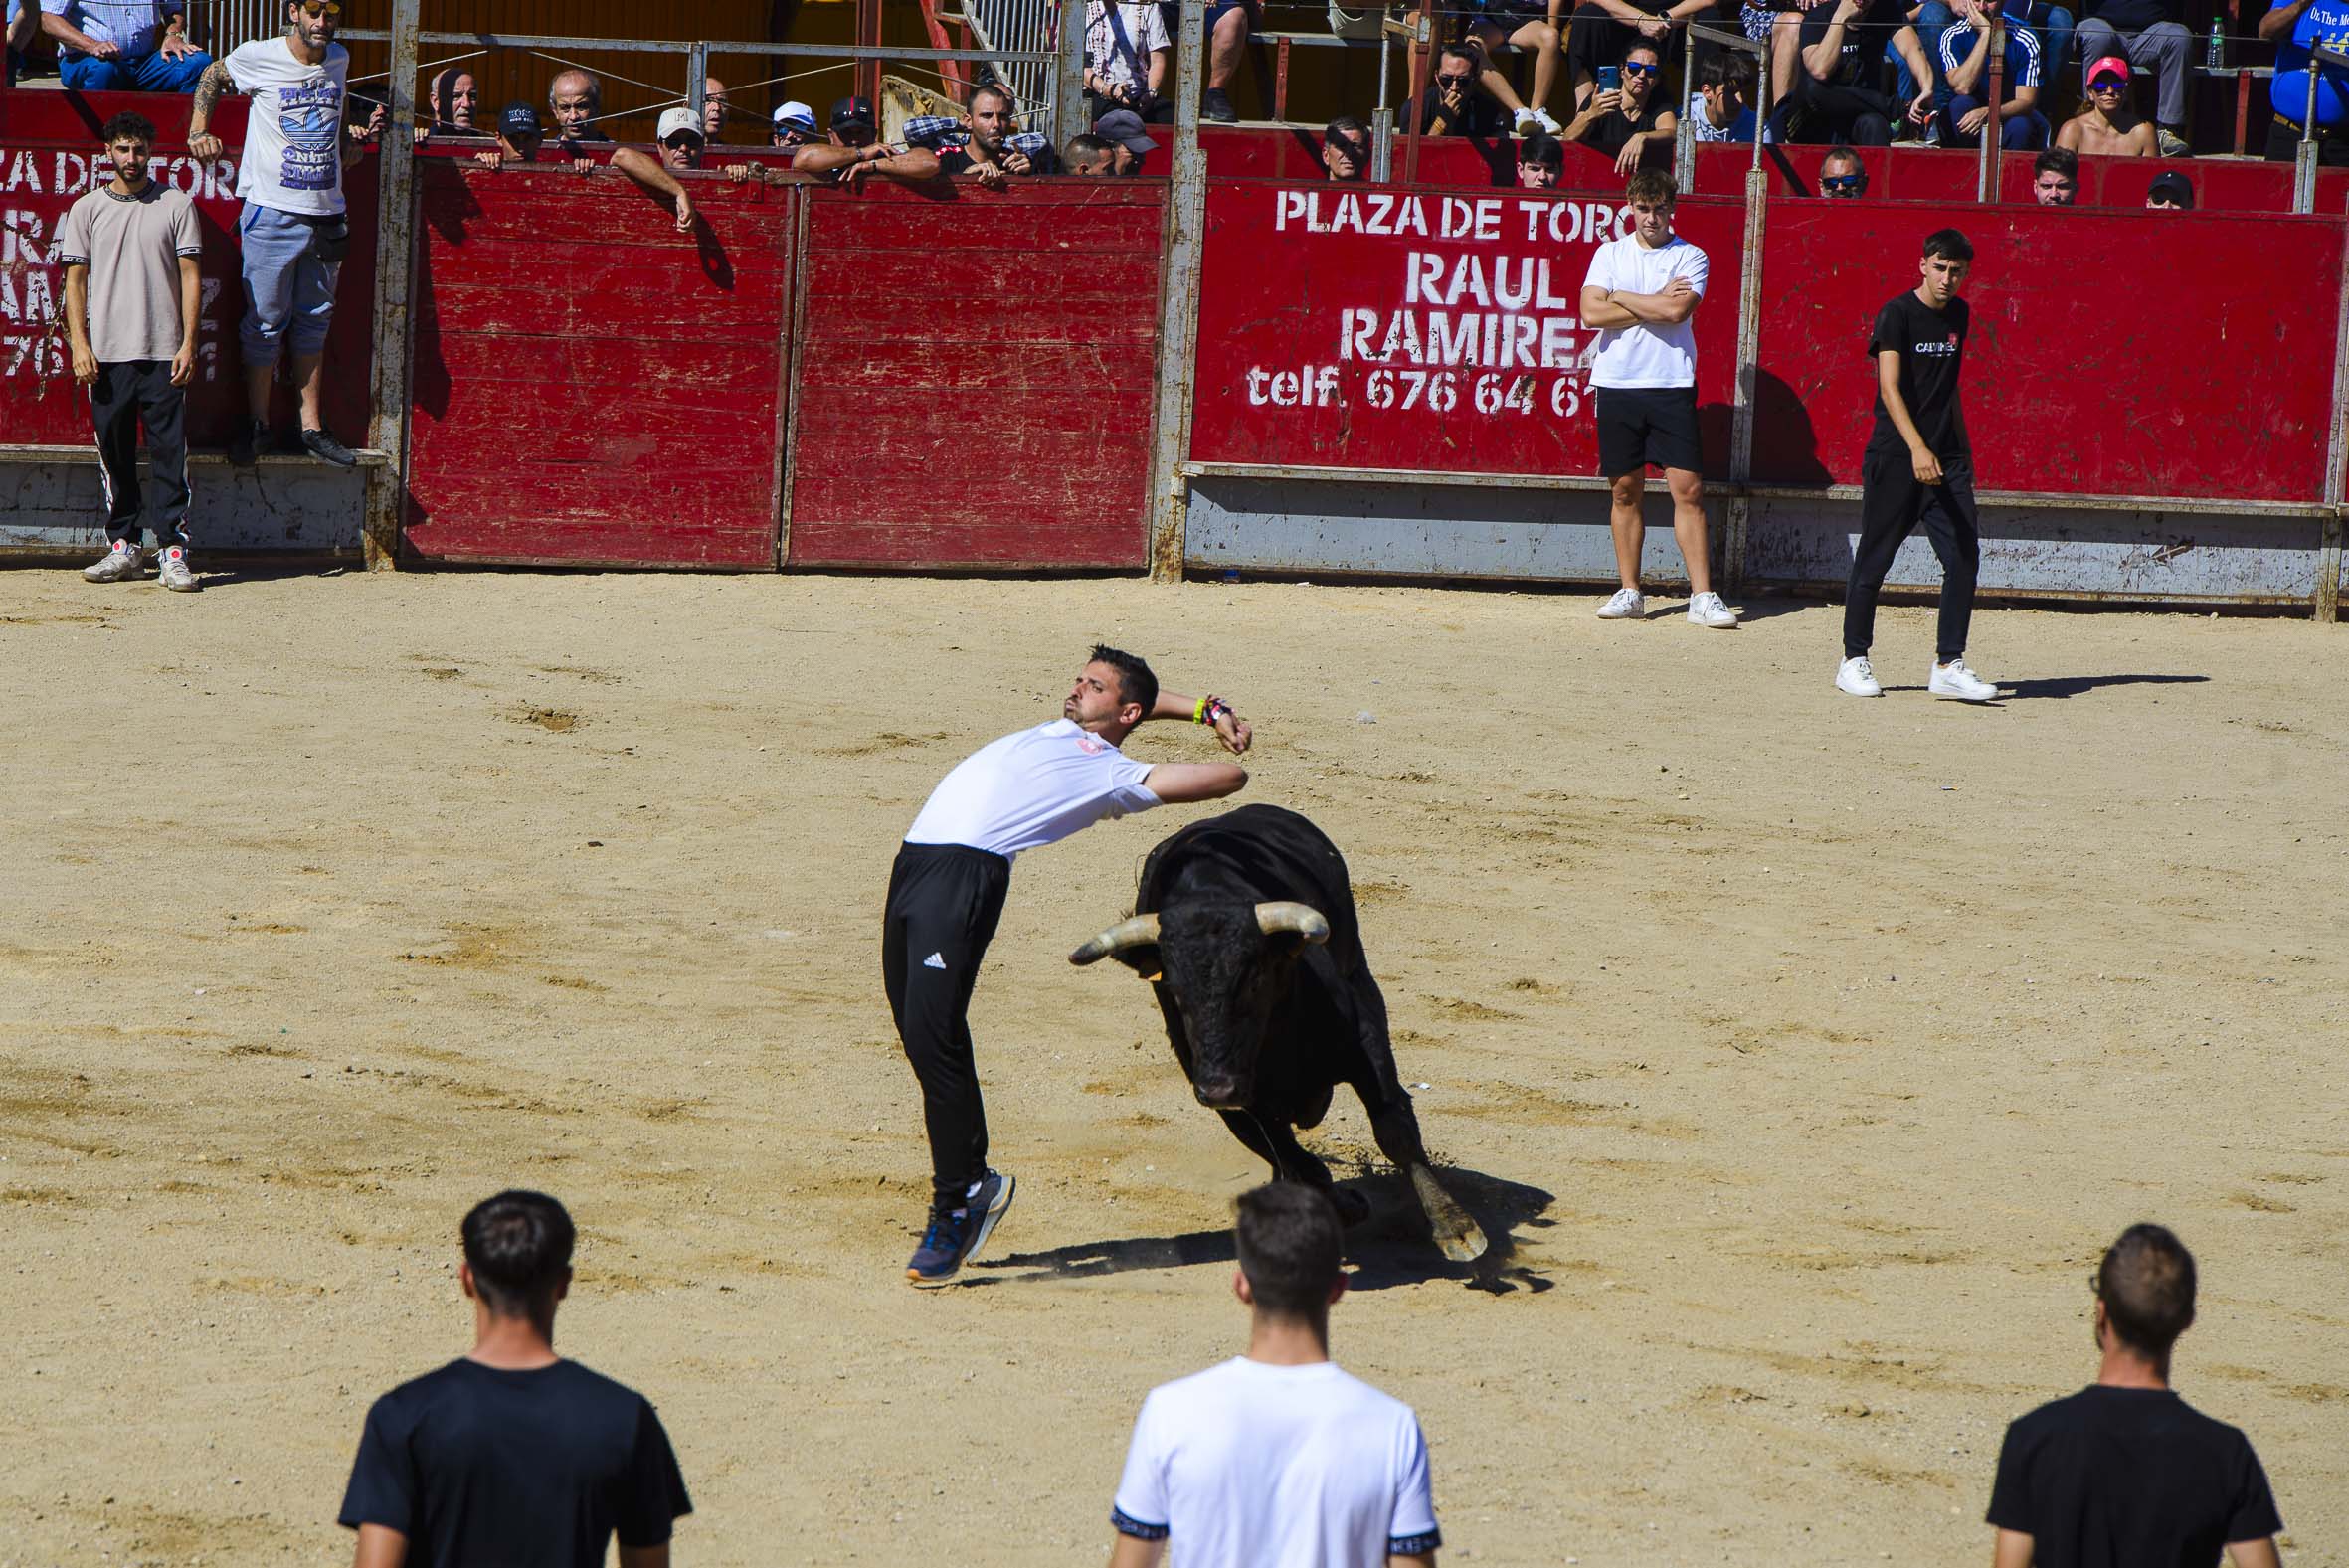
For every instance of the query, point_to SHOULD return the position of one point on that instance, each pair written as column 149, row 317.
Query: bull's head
column 1222, row 968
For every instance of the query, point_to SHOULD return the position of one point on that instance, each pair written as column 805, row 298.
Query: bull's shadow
column 1389, row 1248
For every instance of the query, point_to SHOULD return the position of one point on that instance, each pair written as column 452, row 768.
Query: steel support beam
column 1068, row 81
column 395, row 258
column 1178, row 303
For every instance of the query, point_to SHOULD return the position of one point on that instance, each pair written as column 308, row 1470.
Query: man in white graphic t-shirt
column 946, row 891
column 292, row 229
column 1277, row 1458
column 1641, row 293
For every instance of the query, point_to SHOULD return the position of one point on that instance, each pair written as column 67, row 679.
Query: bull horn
column 1287, row 915
column 1139, row 931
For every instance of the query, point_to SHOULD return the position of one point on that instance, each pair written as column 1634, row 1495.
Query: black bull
column 1245, row 926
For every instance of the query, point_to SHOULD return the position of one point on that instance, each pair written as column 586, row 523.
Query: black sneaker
column 249, row 437
column 956, row 1235
column 1216, row 106
column 322, row 446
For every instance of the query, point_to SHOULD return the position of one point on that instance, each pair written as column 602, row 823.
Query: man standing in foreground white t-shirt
column 1641, row 292
column 1277, row 1458
column 946, row 891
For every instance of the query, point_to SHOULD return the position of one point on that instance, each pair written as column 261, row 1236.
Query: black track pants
column 944, row 901
column 127, row 394
column 1892, row 504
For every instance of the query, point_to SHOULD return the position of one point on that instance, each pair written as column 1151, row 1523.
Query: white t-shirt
column 1249, row 1466
column 1031, row 788
column 292, row 137
column 1644, row 354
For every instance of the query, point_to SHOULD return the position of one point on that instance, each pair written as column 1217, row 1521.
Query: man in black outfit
column 1842, row 43
column 1918, row 467
column 2124, row 1473
column 513, row 1455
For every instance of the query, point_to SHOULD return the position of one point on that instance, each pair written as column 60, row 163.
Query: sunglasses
column 1349, row 149
column 1639, row 70
column 2164, row 201
column 2106, row 85
column 315, row 9
column 1844, row 182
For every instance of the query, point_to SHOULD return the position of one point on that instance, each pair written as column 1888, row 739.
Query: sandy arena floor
column 1807, row 1050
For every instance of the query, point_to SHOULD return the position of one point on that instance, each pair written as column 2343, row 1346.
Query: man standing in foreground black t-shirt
column 1918, row 467
column 513, row 1455
column 2124, row 1473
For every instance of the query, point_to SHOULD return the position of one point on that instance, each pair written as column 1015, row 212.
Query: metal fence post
column 395, row 255
column 1749, row 300
column 1179, row 305
column 1069, row 77
column 1683, row 141
column 1993, row 78
column 697, row 72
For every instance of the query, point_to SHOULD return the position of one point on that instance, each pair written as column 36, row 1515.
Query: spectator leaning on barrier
column 129, row 249
column 996, row 146
column 852, row 154
column 2105, row 125
column 1541, row 162
column 1535, row 27
column 1641, row 292
column 2055, row 177
column 1842, row 175
column 1128, row 55
column 2297, row 27
column 1276, row 1456
column 456, row 102
column 1625, row 122
column 2171, row 191
column 1966, row 64
column 1841, row 43
column 2124, row 1473
column 512, row 1454
column 122, row 46
column 1345, row 149
column 679, row 135
column 795, row 127
column 294, row 227
column 2146, row 33
column 1127, row 138
column 1454, row 105
column 575, row 98
column 1723, row 106
column 519, row 137
column 1919, row 467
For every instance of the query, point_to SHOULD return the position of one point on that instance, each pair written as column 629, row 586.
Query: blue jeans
column 2015, row 133
column 132, row 72
column 1932, row 20
column 288, row 292
column 2053, row 26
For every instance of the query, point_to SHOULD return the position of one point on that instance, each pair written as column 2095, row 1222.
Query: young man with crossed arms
column 1031, row 789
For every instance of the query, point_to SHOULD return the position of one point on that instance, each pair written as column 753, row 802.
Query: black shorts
column 1639, row 425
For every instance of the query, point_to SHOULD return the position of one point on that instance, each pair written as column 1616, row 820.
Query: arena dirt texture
column 1799, row 1053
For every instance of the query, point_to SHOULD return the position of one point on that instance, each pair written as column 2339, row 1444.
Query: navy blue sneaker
column 955, row 1236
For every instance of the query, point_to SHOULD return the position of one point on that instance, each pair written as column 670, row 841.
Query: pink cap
column 2109, row 65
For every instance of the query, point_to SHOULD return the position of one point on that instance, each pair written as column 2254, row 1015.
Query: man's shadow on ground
column 2061, row 686
column 1390, row 1248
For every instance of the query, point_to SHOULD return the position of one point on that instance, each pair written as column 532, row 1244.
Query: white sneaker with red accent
column 175, row 572
column 122, row 564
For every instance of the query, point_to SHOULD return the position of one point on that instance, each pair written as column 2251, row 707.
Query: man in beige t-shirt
column 132, row 293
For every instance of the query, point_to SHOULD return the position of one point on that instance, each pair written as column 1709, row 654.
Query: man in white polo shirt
column 1277, row 1458
column 946, row 891
column 1641, row 292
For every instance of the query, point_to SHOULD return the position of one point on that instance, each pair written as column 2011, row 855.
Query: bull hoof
column 1352, row 1207
column 1465, row 1244
column 1457, row 1236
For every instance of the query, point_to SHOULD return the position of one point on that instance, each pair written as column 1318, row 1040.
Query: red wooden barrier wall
column 2112, row 353
column 1320, row 309
column 589, row 385
column 975, row 378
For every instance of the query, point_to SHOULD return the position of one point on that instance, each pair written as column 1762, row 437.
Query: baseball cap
column 795, row 116
column 852, row 111
column 2172, row 184
column 2109, row 65
column 677, row 120
column 1124, row 127
column 519, row 120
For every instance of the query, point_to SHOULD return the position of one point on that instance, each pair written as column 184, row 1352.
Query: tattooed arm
column 203, row 146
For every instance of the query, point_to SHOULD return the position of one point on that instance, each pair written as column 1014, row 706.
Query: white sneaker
column 175, row 574
column 121, row 563
column 1627, row 604
column 1528, row 122
column 1706, row 609
column 1549, row 124
column 1953, row 680
column 1854, row 676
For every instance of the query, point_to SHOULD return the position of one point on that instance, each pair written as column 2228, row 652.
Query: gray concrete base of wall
column 282, row 507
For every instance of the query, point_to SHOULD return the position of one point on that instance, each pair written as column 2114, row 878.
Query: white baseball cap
column 677, row 120
column 795, row 116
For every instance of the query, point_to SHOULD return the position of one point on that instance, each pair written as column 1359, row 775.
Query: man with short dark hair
column 129, row 249
column 1453, row 105
column 1842, row 175
column 2124, row 1473
column 1919, row 467
column 1090, row 158
column 1277, row 1456
column 852, row 151
column 1346, row 150
column 1725, row 98
column 2055, row 177
column 1541, row 162
column 1031, row 789
column 1842, row 43
column 512, row 1455
column 995, row 148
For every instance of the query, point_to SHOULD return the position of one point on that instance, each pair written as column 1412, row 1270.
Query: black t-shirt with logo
column 1932, row 348
column 525, row 1469
column 1864, row 42
column 2129, row 1478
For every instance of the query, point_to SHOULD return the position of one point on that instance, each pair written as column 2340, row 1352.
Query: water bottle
column 2216, row 57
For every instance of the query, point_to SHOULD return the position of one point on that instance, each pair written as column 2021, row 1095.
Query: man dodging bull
column 1245, row 926
column 946, row 892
